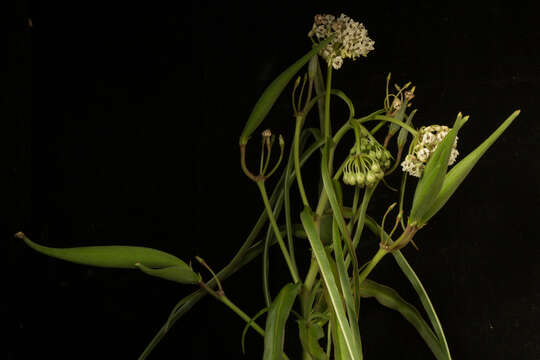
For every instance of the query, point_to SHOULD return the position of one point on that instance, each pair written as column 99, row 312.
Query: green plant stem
column 225, row 300
column 374, row 261
column 327, row 131
column 391, row 120
column 361, row 217
column 298, row 128
column 405, row 237
column 292, row 269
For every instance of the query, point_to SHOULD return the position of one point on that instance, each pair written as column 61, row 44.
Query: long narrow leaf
column 272, row 92
column 432, row 179
column 350, row 302
column 275, row 322
column 390, row 298
column 417, row 285
column 330, row 282
column 338, row 214
column 459, row 172
column 108, row 256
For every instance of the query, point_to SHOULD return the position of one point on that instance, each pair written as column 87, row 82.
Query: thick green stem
column 374, row 261
column 292, row 269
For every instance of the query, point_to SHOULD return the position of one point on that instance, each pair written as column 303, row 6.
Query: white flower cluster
column 428, row 140
column 351, row 38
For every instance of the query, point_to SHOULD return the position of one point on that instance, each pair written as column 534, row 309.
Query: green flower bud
column 360, row 179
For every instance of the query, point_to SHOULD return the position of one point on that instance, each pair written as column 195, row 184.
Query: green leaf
column 459, row 172
column 433, row 176
column 272, row 92
column 325, row 228
column 180, row 273
column 416, row 284
column 390, row 298
column 350, row 301
column 108, row 256
column 330, row 283
column 275, row 322
column 310, row 333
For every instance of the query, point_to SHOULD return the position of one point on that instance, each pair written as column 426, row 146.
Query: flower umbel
column 428, row 140
column 350, row 41
column 366, row 163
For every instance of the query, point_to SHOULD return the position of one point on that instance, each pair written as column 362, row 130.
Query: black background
column 120, row 125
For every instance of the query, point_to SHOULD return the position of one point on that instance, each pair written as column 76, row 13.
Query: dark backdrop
column 120, row 124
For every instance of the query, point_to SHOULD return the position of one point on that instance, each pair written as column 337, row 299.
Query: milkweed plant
column 327, row 295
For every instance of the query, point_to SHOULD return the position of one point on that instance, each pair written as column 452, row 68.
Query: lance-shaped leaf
column 408, row 271
column 390, row 298
column 331, row 285
column 272, row 92
column 459, row 172
column 434, row 173
column 274, row 334
column 179, row 273
column 108, row 256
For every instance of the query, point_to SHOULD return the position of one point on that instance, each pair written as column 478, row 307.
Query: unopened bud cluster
column 428, row 139
column 366, row 163
column 350, row 41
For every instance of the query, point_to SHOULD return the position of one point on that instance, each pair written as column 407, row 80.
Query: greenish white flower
column 429, row 138
column 350, row 38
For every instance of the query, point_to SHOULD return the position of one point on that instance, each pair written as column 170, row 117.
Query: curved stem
column 225, row 300
column 392, row 120
column 296, row 150
column 292, row 269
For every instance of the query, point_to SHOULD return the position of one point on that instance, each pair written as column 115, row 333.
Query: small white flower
column 337, row 62
column 423, row 154
column 453, row 156
column 428, row 138
column 441, row 135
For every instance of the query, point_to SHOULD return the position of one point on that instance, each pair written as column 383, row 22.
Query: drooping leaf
column 179, row 273
column 416, row 284
column 108, row 256
column 275, row 322
column 390, row 298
